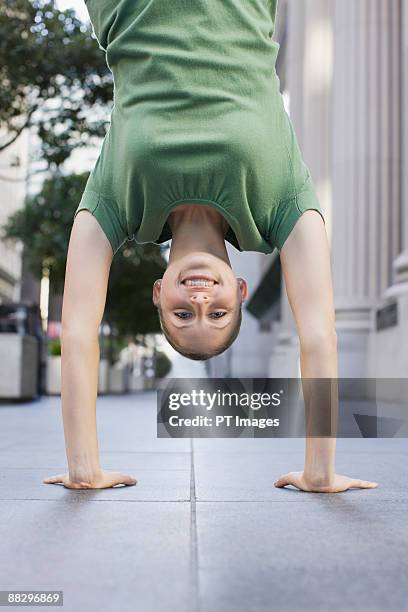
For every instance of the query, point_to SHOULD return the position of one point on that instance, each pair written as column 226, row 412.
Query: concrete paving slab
column 376, row 446
column 35, row 442
column 153, row 485
column 46, row 459
column 126, row 423
column 289, row 445
column 105, row 557
column 249, row 445
column 249, row 476
column 325, row 555
column 246, row 548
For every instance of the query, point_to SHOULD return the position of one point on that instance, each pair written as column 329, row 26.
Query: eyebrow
column 212, row 325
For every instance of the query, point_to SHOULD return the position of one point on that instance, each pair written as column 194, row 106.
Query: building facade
column 13, row 171
column 343, row 68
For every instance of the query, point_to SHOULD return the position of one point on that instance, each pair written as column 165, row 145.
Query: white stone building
column 343, row 65
column 13, row 171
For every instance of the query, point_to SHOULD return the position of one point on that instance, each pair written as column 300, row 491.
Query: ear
column 156, row 291
column 243, row 288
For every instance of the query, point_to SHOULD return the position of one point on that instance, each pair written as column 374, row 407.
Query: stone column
column 400, row 265
column 365, row 169
column 342, row 70
column 389, row 349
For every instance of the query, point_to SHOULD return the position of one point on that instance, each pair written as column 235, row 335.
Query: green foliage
column 162, row 365
column 52, row 74
column 129, row 300
column 116, row 345
column 54, row 77
column 44, row 226
column 54, row 347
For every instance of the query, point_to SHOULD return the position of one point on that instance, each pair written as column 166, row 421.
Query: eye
column 183, row 315
column 218, row 314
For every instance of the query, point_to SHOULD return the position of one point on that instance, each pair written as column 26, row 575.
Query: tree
column 44, row 226
column 52, row 75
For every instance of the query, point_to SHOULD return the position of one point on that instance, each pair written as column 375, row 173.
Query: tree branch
column 18, row 132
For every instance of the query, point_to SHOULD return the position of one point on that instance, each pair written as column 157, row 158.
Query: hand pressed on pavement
column 337, row 485
column 103, row 480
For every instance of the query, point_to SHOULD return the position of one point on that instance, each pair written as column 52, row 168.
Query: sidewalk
column 204, row 530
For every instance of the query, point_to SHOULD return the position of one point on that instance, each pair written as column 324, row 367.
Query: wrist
column 84, row 475
column 319, row 478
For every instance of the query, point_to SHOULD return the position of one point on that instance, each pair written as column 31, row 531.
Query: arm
column 86, row 280
column 305, row 259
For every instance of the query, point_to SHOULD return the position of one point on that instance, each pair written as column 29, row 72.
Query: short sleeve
column 102, row 14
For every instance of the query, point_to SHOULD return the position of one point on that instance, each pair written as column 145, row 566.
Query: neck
column 197, row 228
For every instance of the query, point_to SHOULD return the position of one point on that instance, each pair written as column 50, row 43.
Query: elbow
column 78, row 335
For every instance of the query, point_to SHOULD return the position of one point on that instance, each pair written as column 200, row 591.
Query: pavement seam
column 195, row 601
column 79, row 500
column 199, row 501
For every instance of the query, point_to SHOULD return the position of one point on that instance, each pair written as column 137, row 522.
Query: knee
column 318, row 339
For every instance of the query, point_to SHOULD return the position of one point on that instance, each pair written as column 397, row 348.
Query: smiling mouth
column 199, row 281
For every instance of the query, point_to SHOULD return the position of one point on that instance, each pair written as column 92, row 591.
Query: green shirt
column 198, row 117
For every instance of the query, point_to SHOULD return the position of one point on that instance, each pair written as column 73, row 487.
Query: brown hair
column 198, row 355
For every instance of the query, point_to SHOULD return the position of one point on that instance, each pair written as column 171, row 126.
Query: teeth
column 199, row 282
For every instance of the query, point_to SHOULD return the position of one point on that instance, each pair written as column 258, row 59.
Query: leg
column 86, row 279
column 305, row 259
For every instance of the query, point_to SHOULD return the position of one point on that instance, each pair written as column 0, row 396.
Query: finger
column 54, row 479
column 284, row 480
column 116, row 478
column 127, row 480
column 363, row 484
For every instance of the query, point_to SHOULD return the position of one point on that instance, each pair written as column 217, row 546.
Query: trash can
column 21, row 374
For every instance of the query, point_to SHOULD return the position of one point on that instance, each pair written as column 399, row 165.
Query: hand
column 103, row 480
column 337, row 485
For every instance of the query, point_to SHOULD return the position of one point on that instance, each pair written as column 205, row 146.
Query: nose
column 199, row 298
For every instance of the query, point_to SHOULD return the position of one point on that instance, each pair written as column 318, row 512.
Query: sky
column 77, row 5
column 82, row 158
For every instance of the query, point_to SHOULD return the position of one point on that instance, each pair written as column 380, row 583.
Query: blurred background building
column 343, row 68
column 13, row 171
